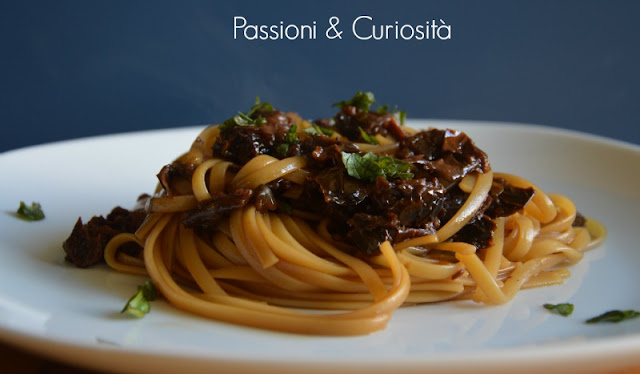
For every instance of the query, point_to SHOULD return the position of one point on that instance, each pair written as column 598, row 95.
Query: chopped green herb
column 138, row 304
column 362, row 101
column 258, row 106
column 564, row 309
column 383, row 109
column 291, row 136
column 367, row 138
column 615, row 316
column 282, row 149
column 317, row 130
column 149, row 291
column 242, row 119
column 30, row 213
column 400, row 115
column 370, row 166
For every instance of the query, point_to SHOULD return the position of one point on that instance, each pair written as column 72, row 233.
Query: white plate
column 73, row 315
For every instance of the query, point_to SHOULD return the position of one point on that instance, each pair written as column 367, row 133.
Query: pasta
column 240, row 237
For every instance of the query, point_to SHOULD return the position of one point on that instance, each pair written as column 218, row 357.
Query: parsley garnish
column 30, row 213
column 564, row 309
column 615, row 316
column 362, row 101
column 367, row 138
column 245, row 119
column 370, row 166
column 317, row 130
column 138, row 304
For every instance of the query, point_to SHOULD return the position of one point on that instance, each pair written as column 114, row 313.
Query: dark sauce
column 362, row 214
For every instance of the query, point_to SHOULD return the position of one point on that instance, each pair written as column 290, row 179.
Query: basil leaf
column 370, row 166
column 564, row 309
column 393, row 168
column 614, row 316
column 30, row 213
column 368, row 138
column 361, row 100
column 361, row 167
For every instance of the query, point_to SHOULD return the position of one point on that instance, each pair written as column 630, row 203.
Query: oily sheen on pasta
column 327, row 227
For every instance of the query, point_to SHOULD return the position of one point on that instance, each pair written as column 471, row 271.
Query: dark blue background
column 78, row 68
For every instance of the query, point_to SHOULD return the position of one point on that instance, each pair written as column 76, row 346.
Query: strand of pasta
column 474, row 201
column 541, row 207
column 263, row 169
column 284, row 321
column 111, row 251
